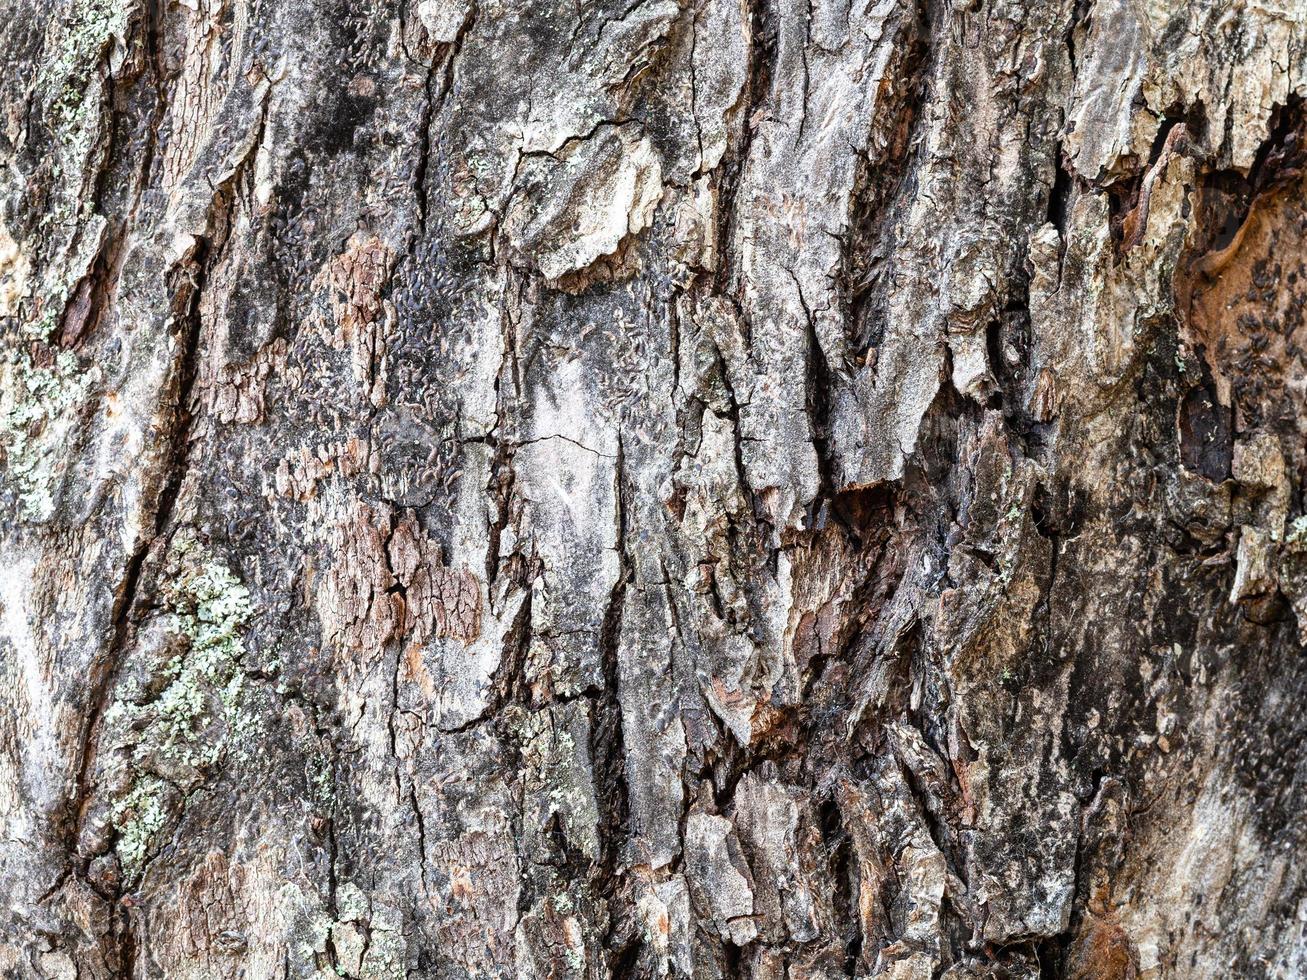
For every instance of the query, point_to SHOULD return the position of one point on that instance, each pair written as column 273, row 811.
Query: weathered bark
column 711, row 488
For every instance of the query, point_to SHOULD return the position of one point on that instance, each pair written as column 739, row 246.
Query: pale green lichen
column 199, row 717
column 66, row 78
column 38, row 408
column 575, row 957
column 1296, row 533
column 386, row 953
column 573, row 945
column 322, row 781
column 210, row 607
column 71, row 87
column 137, row 817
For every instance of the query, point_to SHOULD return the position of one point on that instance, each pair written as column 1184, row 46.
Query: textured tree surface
column 674, row 488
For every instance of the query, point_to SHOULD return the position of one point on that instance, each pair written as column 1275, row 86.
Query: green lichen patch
column 38, row 409
column 321, row 779
column 1296, row 533
column 209, row 607
column 361, row 938
column 83, row 49
column 71, row 76
column 193, row 713
column 137, row 817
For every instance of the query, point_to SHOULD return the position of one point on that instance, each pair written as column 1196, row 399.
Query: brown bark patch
column 1246, row 306
column 208, row 913
column 358, row 609
column 477, row 892
column 441, row 601
column 356, row 279
column 235, row 392
column 301, row 470
column 1101, row 951
column 389, row 583
column 1243, row 291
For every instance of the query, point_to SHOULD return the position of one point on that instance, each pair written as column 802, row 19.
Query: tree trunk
column 692, row 488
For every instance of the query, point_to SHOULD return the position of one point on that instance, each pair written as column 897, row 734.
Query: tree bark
column 684, row 488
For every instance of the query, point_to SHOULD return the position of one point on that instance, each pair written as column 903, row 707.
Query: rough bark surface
column 674, row 488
